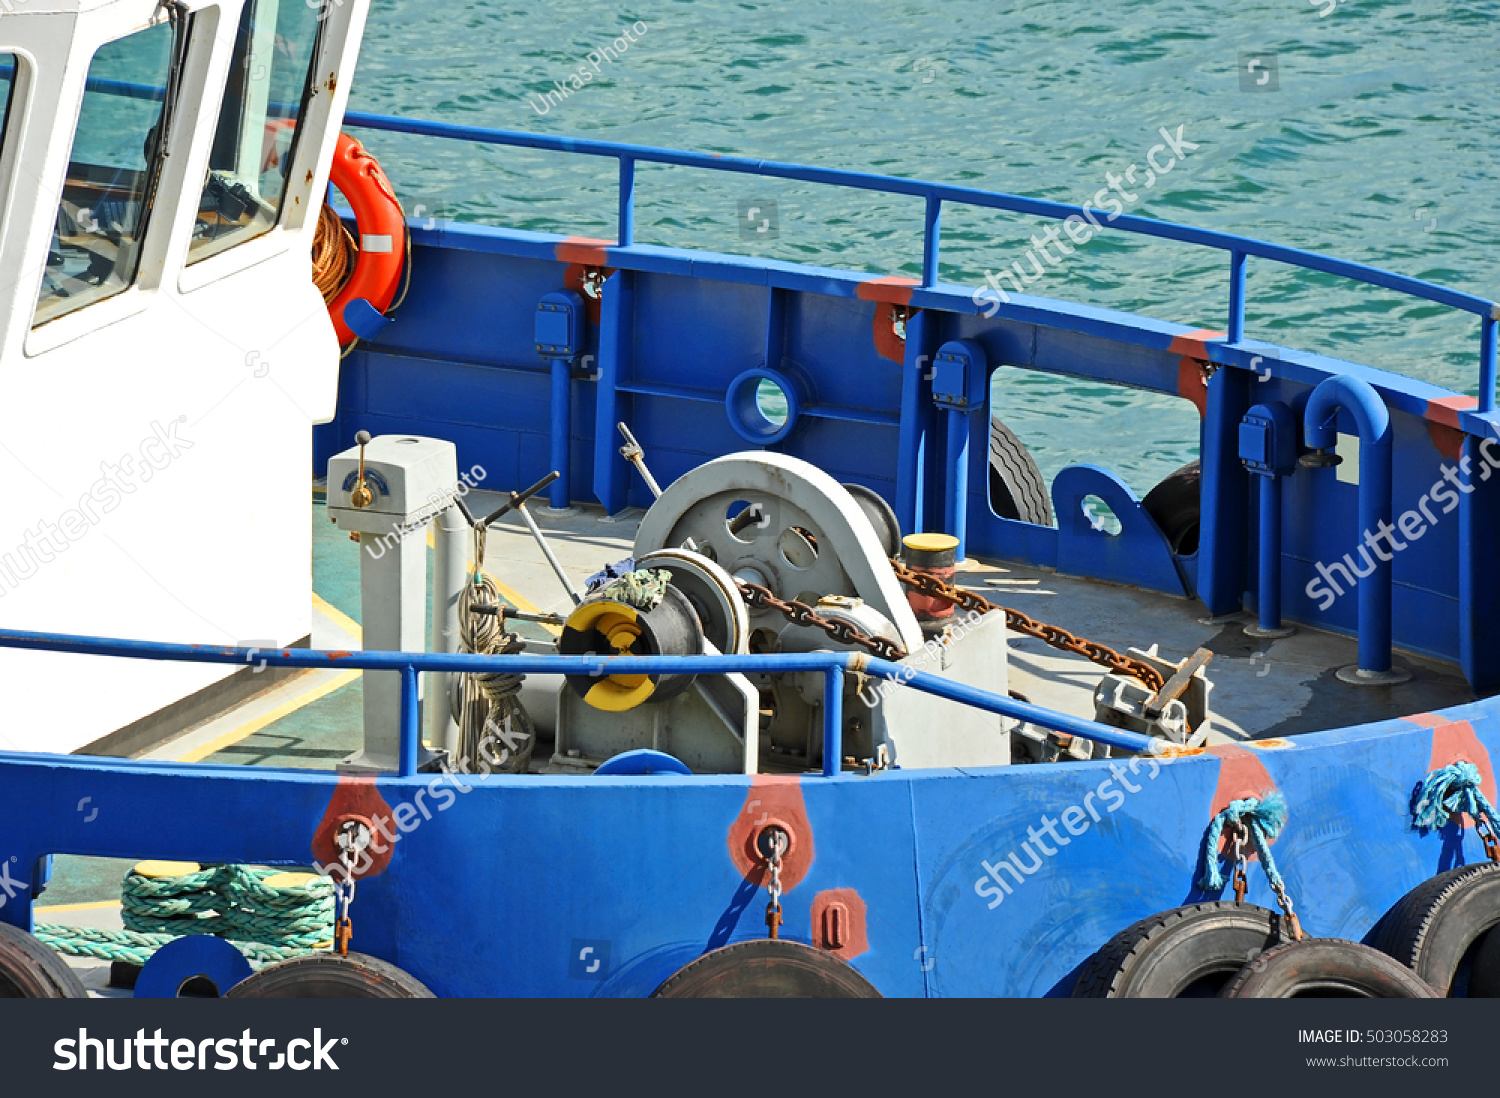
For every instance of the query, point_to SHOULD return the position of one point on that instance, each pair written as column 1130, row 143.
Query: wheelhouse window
column 101, row 218
column 265, row 100
column 7, row 84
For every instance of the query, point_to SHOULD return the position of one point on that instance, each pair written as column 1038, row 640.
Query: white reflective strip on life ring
column 371, row 242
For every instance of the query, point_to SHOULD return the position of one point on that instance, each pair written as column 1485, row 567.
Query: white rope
column 489, row 704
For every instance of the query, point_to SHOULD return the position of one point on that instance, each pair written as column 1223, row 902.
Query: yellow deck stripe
column 337, row 616
column 245, row 731
column 92, row 905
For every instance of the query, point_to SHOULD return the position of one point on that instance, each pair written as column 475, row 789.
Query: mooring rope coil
column 1450, row 791
column 1262, row 821
column 268, row 914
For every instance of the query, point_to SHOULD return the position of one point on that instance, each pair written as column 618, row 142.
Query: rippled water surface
column 1377, row 140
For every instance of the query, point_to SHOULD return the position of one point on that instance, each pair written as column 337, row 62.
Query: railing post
column 561, row 495
column 1489, row 336
column 833, row 721
column 1236, row 296
column 411, row 736
column 931, row 235
column 627, row 200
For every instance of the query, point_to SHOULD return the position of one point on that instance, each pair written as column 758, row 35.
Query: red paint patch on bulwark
column 888, row 345
column 583, row 249
column 1442, row 424
column 839, row 924
column 353, row 796
column 1193, row 347
column 895, row 289
column 1456, row 741
column 772, row 799
column 1241, row 775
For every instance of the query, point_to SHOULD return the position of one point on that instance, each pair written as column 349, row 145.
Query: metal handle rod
column 633, row 453
column 541, row 540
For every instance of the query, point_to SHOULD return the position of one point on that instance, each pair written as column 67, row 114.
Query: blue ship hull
column 500, row 892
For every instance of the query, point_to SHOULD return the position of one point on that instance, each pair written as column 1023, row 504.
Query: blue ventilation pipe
column 1373, row 422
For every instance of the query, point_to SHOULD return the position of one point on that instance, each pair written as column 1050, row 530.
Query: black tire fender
column 1187, row 952
column 1325, row 968
column 329, row 976
column 1174, row 505
column 29, row 970
column 766, row 968
column 1436, row 925
column 1017, row 489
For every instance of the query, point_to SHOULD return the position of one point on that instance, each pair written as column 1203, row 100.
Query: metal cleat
column 1177, row 713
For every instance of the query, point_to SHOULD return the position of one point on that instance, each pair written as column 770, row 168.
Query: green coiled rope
column 266, row 922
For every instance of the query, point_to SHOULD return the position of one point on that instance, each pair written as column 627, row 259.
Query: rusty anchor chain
column 1052, row 635
column 799, row 613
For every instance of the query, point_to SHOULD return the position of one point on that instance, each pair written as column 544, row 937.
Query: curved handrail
column 935, row 194
column 1240, row 248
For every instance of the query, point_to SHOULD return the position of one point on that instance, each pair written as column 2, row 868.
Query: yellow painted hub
column 620, row 625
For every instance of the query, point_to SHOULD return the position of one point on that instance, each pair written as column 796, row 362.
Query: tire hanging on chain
column 496, row 734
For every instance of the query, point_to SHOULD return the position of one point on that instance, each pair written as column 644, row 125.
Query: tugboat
column 804, row 681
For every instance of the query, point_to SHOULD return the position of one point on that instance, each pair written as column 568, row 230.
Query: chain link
column 1053, row 635
column 799, row 613
column 1239, row 878
column 351, row 837
column 1486, row 835
column 778, row 842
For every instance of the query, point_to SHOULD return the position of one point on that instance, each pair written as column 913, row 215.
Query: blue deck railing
column 1240, row 248
column 832, row 665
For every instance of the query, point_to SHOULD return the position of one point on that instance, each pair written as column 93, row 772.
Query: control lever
column 517, row 502
column 361, row 496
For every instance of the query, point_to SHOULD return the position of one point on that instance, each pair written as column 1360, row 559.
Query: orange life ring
column 382, row 233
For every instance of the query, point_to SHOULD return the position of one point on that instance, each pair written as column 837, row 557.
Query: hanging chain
column 799, row 613
column 351, row 838
column 778, row 841
column 1486, row 835
column 1053, row 635
column 1240, row 881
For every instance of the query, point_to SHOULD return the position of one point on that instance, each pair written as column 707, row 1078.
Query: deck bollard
column 1373, row 422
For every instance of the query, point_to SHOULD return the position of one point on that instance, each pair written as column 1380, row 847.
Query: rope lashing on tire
column 1452, row 790
column 1262, row 821
column 490, row 700
column 269, row 914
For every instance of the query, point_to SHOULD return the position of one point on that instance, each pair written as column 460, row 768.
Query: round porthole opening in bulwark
column 762, row 406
